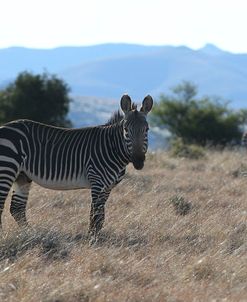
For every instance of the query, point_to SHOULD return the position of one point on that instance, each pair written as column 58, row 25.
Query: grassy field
column 175, row 231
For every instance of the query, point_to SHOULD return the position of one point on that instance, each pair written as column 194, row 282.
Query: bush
column 199, row 121
column 181, row 206
column 180, row 149
column 42, row 98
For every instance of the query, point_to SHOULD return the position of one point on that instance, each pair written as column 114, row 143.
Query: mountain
column 16, row 59
column 211, row 49
column 109, row 70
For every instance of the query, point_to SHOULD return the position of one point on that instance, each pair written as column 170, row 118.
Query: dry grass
column 151, row 249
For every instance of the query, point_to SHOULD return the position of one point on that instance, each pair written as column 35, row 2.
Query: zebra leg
column 19, row 199
column 4, row 190
column 7, row 178
column 97, row 213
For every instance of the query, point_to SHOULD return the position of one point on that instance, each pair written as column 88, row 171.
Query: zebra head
column 135, row 129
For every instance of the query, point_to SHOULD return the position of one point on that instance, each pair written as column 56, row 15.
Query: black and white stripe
column 59, row 158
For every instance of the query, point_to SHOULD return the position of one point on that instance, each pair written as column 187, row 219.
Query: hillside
column 175, row 231
column 109, row 70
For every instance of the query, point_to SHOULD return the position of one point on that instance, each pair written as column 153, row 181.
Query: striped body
column 62, row 159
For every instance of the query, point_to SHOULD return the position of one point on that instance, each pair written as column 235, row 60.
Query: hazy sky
column 52, row 23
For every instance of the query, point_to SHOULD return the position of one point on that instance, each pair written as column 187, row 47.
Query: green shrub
column 201, row 121
column 43, row 98
column 180, row 149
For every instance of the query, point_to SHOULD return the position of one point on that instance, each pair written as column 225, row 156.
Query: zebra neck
column 119, row 147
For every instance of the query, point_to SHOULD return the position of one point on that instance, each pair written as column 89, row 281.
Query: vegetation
column 175, row 231
column 179, row 149
column 196, row 120
column 43, row 98
column 181, row 206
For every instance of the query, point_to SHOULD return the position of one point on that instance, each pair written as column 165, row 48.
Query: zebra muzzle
column 138, row 161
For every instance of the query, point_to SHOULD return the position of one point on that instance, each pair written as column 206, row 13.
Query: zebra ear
column 125, row 103
column 147, row 104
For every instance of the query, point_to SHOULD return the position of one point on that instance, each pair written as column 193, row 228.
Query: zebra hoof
column 93, row 240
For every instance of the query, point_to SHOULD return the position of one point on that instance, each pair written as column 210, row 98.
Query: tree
column 43, row 98
column 198, row 120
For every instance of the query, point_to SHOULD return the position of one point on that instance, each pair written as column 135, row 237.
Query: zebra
column 64, row 158
column 244, row 139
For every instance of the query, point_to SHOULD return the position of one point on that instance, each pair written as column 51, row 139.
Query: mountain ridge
column 108, row 70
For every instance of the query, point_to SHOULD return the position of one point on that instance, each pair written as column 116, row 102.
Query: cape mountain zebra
column 61, row 159
column 244, row 139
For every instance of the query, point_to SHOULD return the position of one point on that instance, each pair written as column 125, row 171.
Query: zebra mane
column 118, row 116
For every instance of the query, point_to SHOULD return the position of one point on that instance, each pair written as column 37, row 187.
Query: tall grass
column 176, row 231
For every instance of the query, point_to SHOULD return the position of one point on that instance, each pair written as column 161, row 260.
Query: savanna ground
column 175, row 231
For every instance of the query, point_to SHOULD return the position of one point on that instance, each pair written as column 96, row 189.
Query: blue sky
column 53, row 23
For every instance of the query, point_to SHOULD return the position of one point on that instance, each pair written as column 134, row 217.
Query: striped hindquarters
column 52, row 157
